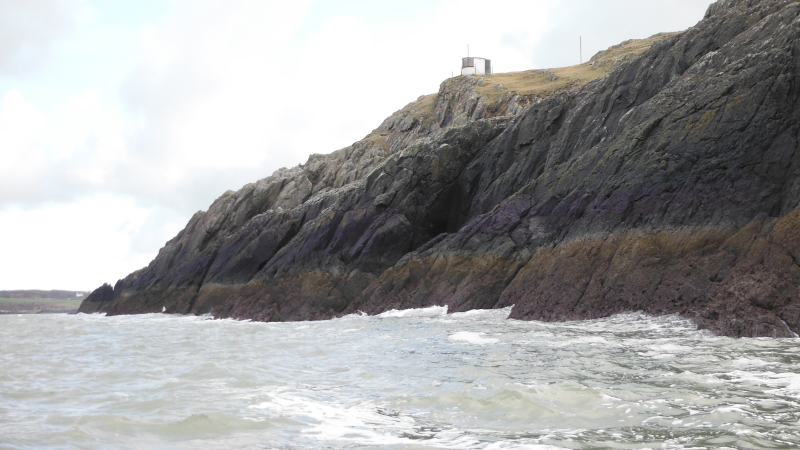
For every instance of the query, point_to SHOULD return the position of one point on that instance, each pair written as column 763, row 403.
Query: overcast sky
column 119, row 120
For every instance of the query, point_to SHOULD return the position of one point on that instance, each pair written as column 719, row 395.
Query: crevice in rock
column 293, row 230
column 794, row 258
column 510, row 279
column 202, row 282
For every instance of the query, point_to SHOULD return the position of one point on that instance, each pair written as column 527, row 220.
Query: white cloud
column 57, row 155
column 29, row 28
column 204, row 95
column 75, row 246
column 607, row 23
column 20, row 126
column 227, row 87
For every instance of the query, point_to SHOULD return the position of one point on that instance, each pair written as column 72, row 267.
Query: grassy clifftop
column 541, row 83
column 505, row 93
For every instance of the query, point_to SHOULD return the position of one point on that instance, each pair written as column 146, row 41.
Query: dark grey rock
column 670, row 186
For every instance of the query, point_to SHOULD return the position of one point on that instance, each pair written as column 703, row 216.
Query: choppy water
column 414, row 379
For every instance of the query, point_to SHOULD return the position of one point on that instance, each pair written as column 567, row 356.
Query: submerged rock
column 668, row 184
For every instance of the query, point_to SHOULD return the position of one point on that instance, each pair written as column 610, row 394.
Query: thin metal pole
column 580, row 47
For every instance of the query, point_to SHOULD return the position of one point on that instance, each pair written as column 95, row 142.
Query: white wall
column 480, row 66
column 479, row 69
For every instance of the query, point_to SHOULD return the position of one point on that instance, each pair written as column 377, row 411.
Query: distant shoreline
column 40, row 294
column 44, row 311
column 37, row 305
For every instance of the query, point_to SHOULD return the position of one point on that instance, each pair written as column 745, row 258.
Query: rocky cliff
column 665, row 179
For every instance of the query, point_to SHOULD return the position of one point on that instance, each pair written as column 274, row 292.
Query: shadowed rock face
column 669, row 186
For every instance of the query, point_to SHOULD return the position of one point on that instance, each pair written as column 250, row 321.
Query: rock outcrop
column 668, row 184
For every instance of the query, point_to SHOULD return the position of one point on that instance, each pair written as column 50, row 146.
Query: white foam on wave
column 670, row 348
column 780, row 384
column 431, row 311
column 332, row 421
column 791, row 386
column 665, row 351
column 498, row 313
column 633, row 322
column 471, row 337
column 514, row 445
column 749, row 362
column 361, row 424
column 581, row 340
column 90, row 316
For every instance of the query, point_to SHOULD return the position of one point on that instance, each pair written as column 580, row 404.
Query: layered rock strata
column 669, row 185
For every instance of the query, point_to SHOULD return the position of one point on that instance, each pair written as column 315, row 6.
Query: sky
column 119, row 120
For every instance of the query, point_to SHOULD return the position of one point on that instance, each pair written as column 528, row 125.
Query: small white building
column 475, row 66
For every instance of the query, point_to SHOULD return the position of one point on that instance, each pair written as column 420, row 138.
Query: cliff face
column 669, row 185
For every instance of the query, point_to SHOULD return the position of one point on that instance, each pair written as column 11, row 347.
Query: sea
column 415, row 379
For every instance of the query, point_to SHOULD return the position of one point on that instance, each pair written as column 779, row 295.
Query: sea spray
column 403, row 379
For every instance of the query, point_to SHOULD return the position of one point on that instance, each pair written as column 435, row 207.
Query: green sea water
column 412, row 379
